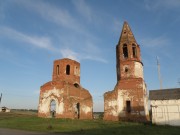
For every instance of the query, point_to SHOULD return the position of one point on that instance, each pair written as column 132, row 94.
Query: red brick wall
column 66, row 91
column 130, row 85
column 73, row 77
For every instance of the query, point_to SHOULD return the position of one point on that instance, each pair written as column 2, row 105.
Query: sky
column 34, row 33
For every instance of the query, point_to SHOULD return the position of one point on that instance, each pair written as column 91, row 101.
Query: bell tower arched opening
column 125, row 51
column 134, row 51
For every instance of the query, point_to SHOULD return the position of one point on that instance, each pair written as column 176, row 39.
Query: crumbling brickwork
column 128, row 100
column 64, row 97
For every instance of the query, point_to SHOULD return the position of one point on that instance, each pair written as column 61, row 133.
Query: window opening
column 128, row 106
column 76, row 85
column 125, row 51
column 78, row 110
column 126, row 69
column 134, row 51
column 68, row 70
column 57, row 69
column 53, row 108
column 76, row 71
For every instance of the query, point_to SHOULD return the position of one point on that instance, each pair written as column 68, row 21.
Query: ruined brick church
column 64, row 97
column 128, row 100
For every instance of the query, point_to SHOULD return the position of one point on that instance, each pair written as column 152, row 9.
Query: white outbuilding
column 4, row 109
column 165, row 105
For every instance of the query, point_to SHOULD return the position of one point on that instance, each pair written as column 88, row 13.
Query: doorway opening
column 53, row 108
column 78, row 110
column 128, row 106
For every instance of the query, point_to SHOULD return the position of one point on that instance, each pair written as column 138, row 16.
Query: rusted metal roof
column 164, row 94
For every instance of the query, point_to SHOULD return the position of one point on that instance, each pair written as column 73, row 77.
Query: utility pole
column 179, row 81
column 159, row 74
column 0, row 98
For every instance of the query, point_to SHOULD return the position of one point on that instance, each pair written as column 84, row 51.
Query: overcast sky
column 34, row 33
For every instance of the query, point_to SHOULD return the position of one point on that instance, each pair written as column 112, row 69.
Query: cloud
column 90, row 51
column 67, row 53
column 95, row 58
column 63, row 19
column 155, row 42
column 40, row 42
column 84, row 9
column 53, row 14
column 161, row 4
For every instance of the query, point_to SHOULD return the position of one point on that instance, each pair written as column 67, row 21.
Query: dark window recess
column 126, row 69
column 68, row 70
column 125, row 51
column 76, row 85
column 57, row 69
column 78, row 110
column 134, row 51
column 128, row 106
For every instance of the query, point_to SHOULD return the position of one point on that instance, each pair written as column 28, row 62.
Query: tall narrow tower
column 128, row 100
column 128, row 58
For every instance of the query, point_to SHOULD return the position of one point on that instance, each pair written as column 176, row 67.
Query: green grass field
column 29, row 121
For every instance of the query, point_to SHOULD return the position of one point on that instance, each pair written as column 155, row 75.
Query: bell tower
column 128, row 57
column 128, row 100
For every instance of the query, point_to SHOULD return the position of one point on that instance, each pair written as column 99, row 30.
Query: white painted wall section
column 138, row 70
column 166, row 112
column 47, row 97
column 123, row 96
column 86, row 109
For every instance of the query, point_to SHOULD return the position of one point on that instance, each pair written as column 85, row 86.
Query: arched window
column 76, row 70
column 125, row 51
column 68, row 70
column 78, row 110
column 134, row 51
column 53, row 108
column 76, row 85
column 57, row 69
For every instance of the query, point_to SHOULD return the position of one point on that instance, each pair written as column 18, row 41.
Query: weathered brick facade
column 128, row 100
column 64, row 97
